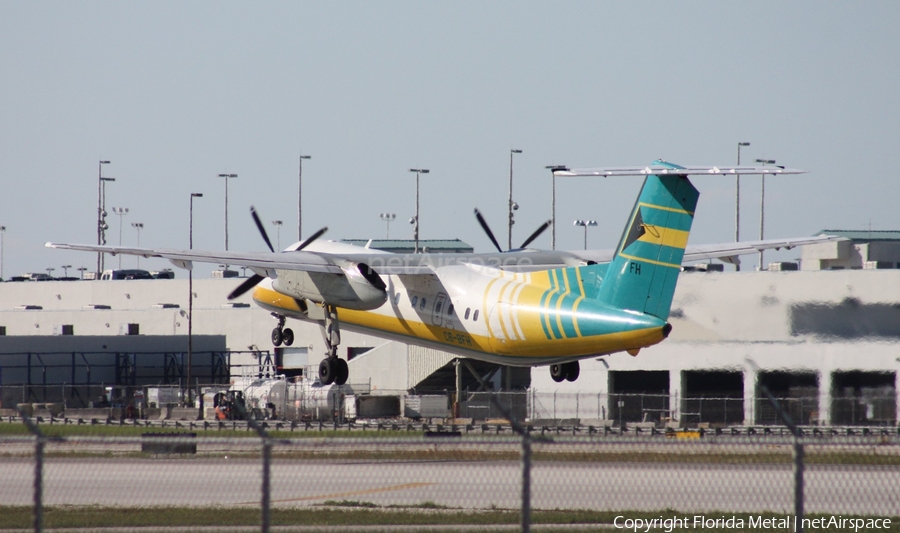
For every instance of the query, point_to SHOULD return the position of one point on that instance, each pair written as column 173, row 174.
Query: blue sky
column 176, row 93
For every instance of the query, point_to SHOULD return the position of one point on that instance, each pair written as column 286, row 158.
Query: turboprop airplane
column 521, row 307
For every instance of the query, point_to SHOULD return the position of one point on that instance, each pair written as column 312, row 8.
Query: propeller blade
column 487, row 230
column 536, row 234
column 248, row 284
column 310, row 239
column 262, row 229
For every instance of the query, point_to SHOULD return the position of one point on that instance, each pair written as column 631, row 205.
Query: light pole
column 388, row 218
column 415, row 221
column 101, row 213
column 226, row 176
column 50, row 271
column 737, row 200
column 300, row 197
column 82, row 271
column 585, row 223
column 138, row 226
column 762, row 205
column 121, row 211
column 553, row 169
column 66, row 270
column 2, row 231
column 278, row 224
column 190, row 316
column 510, row 204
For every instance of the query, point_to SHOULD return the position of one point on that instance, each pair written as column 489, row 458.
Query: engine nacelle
column 359, row 287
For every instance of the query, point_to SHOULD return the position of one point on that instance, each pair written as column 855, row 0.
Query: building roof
column 409, row 245
column 863, row 235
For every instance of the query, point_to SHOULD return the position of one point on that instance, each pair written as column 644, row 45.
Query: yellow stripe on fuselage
column 506, row 334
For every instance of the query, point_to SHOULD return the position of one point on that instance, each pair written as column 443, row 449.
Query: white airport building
column 822, row 336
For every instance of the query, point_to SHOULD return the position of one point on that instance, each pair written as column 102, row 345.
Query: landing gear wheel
column 341, row 371
column 278, row 337
column 558, row 373
column 332, row 369
column 327, row 371
column 287, row 336
column 573, row 370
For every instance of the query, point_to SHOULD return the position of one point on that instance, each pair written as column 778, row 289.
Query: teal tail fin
column 643, row 274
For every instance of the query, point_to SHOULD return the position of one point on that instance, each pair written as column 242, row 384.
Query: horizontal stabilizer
column 662, row 170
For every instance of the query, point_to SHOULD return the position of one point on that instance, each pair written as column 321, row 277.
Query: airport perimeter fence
column 259, row 478
column 665, row 409
column 298, row 402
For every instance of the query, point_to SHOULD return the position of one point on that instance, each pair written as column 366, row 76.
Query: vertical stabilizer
column 643, row 274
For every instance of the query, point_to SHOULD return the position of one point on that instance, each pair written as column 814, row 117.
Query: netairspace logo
column 786, row 523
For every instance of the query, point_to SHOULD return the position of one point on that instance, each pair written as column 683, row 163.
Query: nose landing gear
column 281, row 334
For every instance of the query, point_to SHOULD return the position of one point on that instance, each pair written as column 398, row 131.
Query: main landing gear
column 280, row 334
column 332, row 369
column 565, row 371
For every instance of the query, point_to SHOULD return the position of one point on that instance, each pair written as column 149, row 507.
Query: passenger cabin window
column 415, row 299
column 422, row 303
column 475, row 316
column 468, row 309
column 397, row 299
column 450, row 310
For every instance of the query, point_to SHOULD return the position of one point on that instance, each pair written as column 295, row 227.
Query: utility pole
column 190, row 316
column 762, row 205
column 553, row 169
column 511, row 204
column 415, row 221
column 101, row 213
column 300, row 198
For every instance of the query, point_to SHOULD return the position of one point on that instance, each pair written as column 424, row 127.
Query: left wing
column 261, row 263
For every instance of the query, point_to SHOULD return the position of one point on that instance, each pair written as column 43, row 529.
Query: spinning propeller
column 253, row 280
column 490, row 233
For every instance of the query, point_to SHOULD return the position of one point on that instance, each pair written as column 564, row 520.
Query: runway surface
column 460, row 484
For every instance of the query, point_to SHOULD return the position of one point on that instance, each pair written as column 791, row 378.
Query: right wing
column 727, row 252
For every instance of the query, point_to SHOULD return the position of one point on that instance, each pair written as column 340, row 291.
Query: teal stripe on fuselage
column 567, row 316
column 543, row 313
column 559, row 295
column 595, row 318
column 572, row 276
column 551, row 313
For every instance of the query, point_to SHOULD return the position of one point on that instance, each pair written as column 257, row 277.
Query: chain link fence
column 306, row 400
column 257, row 476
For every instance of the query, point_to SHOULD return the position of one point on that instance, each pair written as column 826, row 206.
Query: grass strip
column 407, row 456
